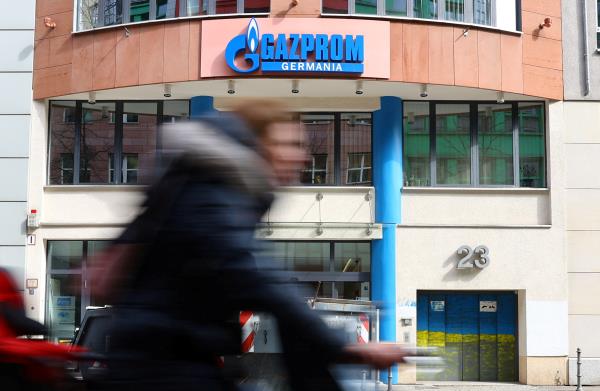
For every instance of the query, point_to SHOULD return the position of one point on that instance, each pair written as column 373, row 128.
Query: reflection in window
column 425, row 9
column 495, row 141
column 256, row 6
column 368, row 7
column 88, row 14
column 62, row 142
column 129, row 169
column 64, row 254
column 453, row 144
column 396, row 7
column 335, row 6
column 455, row 10
column 319, row 129
column 355, row 137
column 113, row 12
column 196, row 7
column 482, row 12
column 532, row 154
column 139, row 142
column 139, row 10
column 226, row 6
column 167, row 9
column 416, row 144
column 175, row 110
column 97, row 142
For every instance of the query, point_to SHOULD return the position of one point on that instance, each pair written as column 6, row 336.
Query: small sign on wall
column 488, row 306
column 438, row 305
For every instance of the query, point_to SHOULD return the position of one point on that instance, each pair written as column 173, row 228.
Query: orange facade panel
column 127, row 59
column 415, row 53
column 542, row 52
column 176, row 51
column 544, row 82
column 152, row 45
column 194, row 50
column 283, row 8
column 441, row 55
column 531, row 25
column 550, row 7
column 511, row 54
column 82, row 68
column 466, row 58
column 489, row 60
column 105, row 43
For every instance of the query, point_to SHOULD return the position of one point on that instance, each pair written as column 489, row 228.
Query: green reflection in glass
column 453, row 144
column 532, row 154
column 416, row 144
column 495, row 140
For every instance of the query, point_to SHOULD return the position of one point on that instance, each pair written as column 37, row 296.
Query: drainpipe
column 586, row 61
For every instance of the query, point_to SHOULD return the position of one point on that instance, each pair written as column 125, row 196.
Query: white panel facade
column 582, row 288
column 583, row 251
column 14, row 141
column 547, row 328
column 11, row 258
column 17, row 50
column 17, row 15
column 16, row 94
column 13, row 176
column 12, row 229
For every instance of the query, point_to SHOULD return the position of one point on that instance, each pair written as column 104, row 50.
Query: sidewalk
column 481, row 386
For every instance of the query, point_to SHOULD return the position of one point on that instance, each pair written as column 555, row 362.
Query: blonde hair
column 260, row 114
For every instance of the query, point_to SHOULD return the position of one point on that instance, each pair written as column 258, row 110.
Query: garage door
column 476, row 334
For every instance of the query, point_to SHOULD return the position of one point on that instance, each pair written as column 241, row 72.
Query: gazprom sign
column 296, row 53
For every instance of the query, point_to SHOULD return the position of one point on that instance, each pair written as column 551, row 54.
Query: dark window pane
column 319, row 144
column 139, row 10
column 335, row 6
column 396, row 7
column 65, row 254
column 226, row 6
column 113, row 12
column 356, row 148
column 139, row 142
column 453, row 144
column 426, row 9
column 416, row 144
column 64, row 306
column 301, row 256
column 352, row 257
column 368, row 7
column 255, row 6
column 62, row 142
column 97, row 142
column 495, row 139
column 532, row 147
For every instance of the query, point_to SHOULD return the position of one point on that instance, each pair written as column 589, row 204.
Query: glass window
column 532, row 150
column 356, row 129
column 319, row 129
column 368, row 7
column 335, row 6
column 196, row 7
column 255, row 6
column 167, row 9
column 139, row 142
column 139, row 10
column 62, row 142
column 176, row 110
column 425, row 9
column 352, row 257
column 495, row 142
column 88, row 14
column 455, row 10
column 226, row 6
column 65, row 255
column 396, row 7
column 482, row 12
column 64, row 306
column 416, row 144
column 97, row 142
column 453, row 144
column 112, row 13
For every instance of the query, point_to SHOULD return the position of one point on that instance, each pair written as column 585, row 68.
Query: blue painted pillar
column 201, row 105
column 387, row 179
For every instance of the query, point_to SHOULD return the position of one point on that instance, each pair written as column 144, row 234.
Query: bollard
column 579, row 388
column 389, row 379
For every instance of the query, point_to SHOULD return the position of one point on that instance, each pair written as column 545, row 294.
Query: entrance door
column 476, row 333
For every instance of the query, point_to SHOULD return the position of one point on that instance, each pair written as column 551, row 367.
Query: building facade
column 435, row 186
column 582, row 126
column 16, row 75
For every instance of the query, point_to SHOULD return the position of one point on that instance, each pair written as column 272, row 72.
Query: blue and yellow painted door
column 476, row 333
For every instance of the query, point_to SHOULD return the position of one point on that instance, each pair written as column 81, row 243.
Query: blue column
column 201, row 105
column 387, row 179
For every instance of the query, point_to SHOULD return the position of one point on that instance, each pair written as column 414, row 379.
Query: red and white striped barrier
column 247, row 322
column 362, row 329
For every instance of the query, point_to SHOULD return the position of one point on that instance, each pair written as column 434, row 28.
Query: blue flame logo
column 240, row 43
column 252, row 36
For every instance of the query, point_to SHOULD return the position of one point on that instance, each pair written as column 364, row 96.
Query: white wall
column 582, row 148
column 16, row 64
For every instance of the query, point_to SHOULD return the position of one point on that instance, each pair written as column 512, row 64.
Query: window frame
column 474, row 151
column 211, row 9
column 118, row 139
column 337, row 146
column 468, row 12
column 329, row 277
column 360, row 169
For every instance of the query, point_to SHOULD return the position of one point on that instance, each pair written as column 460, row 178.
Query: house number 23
column 478, row 257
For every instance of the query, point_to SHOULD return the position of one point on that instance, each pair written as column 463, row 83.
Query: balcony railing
column 493, row 13
column 92, row 14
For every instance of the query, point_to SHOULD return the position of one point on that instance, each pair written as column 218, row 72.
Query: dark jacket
column 197, row 270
